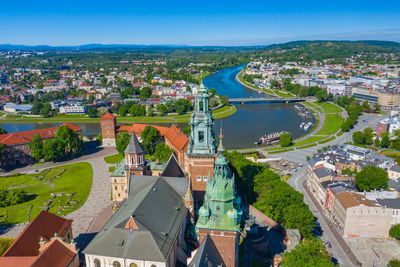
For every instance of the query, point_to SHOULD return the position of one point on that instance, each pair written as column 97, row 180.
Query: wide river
column 240, row 130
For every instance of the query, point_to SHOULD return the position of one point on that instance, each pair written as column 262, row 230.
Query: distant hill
column 369, row 43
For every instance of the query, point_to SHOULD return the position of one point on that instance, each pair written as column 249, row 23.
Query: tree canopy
column 150, row 137
column 370, row 178
column 162, row 152
column 122, row 142
column 285, row 140
column 36, row 146
column 311, row 252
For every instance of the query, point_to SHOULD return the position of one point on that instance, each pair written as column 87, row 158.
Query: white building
column 73, row 109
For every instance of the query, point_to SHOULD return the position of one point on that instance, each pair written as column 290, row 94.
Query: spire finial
column 221, row 136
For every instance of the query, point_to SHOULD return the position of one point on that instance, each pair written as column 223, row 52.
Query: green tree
column 368, row 136
column 345, row 127
column 377, row 142
column 162, row 152
column 145, row 93
column 310, row 252
column 3, row 131
column 16, row 196
column 69, row 140
column 45, row 110
column 150, row 111
column 99, row 140
column 123, row 110
column 2, row 149
column 395, row 231
column 137, row 110
column 385, row 141
column 394, row 263
column 187, row 130
column 5, row 243
column 36, row 146
column 150, row 137
column 161, row 109
column 115, row 107
column 285, row 140
column 92, row 112
column 370, row 178
column 122, row 142
column 101, row 111
column 52, row 150
column 358, row 138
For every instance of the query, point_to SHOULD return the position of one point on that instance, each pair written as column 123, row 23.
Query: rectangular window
column 199, row 178
column 205, row 178
column 201, row 136
column 115, row 187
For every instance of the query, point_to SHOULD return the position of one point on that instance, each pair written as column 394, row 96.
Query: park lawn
column 114, row 159
column 283, row 94
column 314, row 106
column 330, row 108
column 73, row 185
column 310, row 140
column 387, row 151
column 332, row 124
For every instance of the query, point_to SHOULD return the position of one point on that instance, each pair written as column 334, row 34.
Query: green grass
column 309, row 140
column 283, row 94
column 330, row 108
column 76, row 179
column 332, row 124
column 387, row 151
column 307, row 146
column 111, row 169
column 316, row 107
column 280, row 151
column 340, row 133
column 114, row 159
column 327, row 140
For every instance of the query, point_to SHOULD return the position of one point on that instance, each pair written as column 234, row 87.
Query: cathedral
column 191, row 215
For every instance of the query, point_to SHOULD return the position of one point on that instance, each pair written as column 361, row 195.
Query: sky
column 217, row 22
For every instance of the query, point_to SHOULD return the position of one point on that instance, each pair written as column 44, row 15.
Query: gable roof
column 27, row 136
column 56, row 254
column 158, row 212
column 177, row 138
column 207, row 255
column 44, row 225
column 134, row 146
column 172, row 168
column 107, row 115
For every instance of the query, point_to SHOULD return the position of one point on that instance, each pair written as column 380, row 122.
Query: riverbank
column 266, row 91
column 221, row 112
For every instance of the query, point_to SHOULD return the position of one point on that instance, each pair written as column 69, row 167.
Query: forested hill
column 337, row 50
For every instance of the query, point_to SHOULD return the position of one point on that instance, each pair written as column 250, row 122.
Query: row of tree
column 65, row 143
column 12, row 197
column 150, row 137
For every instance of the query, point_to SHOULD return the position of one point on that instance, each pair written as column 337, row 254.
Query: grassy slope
column 76, row 179
column 113, row 159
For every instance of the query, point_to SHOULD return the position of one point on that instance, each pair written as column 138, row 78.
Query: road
column 300, row 175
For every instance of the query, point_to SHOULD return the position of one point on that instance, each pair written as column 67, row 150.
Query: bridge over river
column 267, row 99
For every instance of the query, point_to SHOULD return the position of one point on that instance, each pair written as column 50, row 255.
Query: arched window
column 97, row 263
column 133, row 160
column 116, row 264
column 139, row 159
column 133, row 265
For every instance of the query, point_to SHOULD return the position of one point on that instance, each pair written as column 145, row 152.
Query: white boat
column 308, row 126
column 302, row 124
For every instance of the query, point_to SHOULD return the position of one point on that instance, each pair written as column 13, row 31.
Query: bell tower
column 202, row 147
column 108, row 129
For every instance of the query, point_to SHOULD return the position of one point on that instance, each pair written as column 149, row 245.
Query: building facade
column 108, row 125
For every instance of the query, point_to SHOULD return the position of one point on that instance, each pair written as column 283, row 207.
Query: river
column 240, row 130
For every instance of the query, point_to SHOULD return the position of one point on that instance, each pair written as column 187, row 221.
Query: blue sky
column 217, row 22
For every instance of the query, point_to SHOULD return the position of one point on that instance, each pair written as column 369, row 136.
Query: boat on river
column 268, row 139
column 308, row 126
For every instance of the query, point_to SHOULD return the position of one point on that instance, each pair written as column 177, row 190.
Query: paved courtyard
column 378, row 251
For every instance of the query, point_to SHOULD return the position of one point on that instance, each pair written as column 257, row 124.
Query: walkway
column 99, row 196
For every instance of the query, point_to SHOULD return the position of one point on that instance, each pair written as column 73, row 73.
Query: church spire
column 221, row 136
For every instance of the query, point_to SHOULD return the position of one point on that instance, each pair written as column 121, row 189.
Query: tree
column 36, row 107
column 36, row 146
column 69, row 139
column 358, row 138
column 285, row 140
column 345, row 127
column 16, row 196
column 150, row 137
column 162, row 152
column 187, row 130
column 92, row 112
column 99, row 140
column 5, row 243
column 371, row 177
column 161, row 109
column 395, row 231
column 150, row 111
column 3, row 131
column 2, row 149
column 310, row 252
column 45, row 110
column 377, row 142
column 394, row 263
column 145, row 93
column 52, row 150
column 368, row 136
column 137, row 110
column 122, row 142
column 123, row 110
column 115, row 107
column 101, row 111
column 385, row 141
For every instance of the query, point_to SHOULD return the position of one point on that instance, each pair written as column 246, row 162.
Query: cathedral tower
column 220, row 215
column 202, row 147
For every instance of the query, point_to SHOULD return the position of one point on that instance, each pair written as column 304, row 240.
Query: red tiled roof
column 27, row 136
column 177, row 138
column 138, row 128
column 16, row 261
column 45, row 225
column 56, row 254
column 108, row 115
